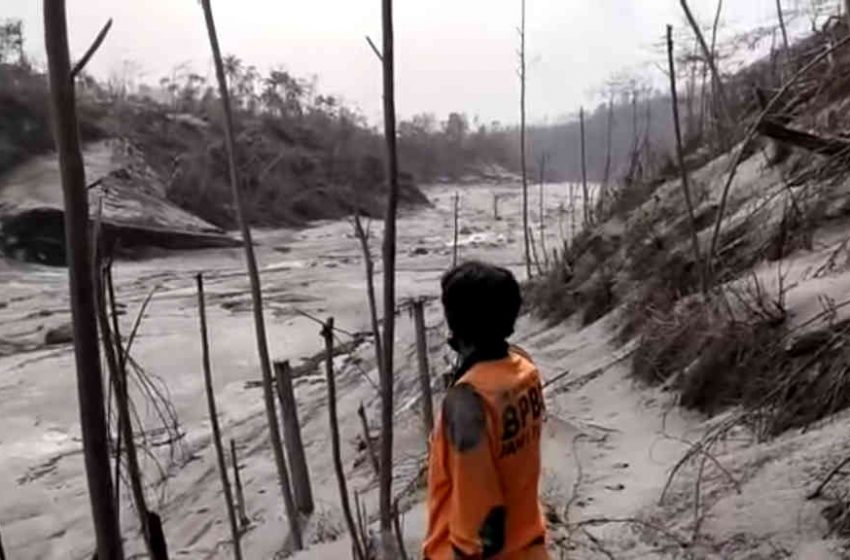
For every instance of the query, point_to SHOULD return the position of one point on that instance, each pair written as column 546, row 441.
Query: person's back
column 484, row 466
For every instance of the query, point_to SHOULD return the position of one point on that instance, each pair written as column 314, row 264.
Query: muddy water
column 44, row 511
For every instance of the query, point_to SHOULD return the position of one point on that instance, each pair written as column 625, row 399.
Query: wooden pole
column 327, row 334
column 292, row 438
column 418, row 308
column 256, row 289
column 370, row 449
column 680, row 152
column 386, row 481
column 216, row 432
column 522, row 145
column 454, row 244
column 82, row 296
column 585, row 195
column 237, row 480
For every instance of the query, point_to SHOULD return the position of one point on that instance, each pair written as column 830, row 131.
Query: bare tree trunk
column 781, row 16
column 454, row 244
column 680, row 152
column 709, row 55
column 495, row 207
column 846, row 5
column 542, row 212
column 522, row 145
column 237, row 481
column 572, row 213
column 386, row 480
column 82, row 296
column 609, row 141
column 370, row 449
column 584, row 190
column 370, row 291
column 216, row 432
column 327, row 334
column 256, row 289
column 292, row 439
column 424, row 371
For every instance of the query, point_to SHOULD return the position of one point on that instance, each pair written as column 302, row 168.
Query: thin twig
column 375, row 49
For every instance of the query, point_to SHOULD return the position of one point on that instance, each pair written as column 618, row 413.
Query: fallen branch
column 817, row 492
column 79, row 66
column 805, row 140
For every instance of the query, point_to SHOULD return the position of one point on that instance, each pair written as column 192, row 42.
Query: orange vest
column 472, row 480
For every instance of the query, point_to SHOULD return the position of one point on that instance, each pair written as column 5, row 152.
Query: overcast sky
column 452, row 55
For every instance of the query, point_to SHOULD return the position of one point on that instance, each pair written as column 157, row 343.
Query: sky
column 451, row 55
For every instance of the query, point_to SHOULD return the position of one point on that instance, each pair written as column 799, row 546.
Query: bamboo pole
column 418, row 310
column 292, row 438
column 585, row 195
column 680, row 152
column 327, row 334
column 256, row 289
column 237, row 480
column 454, row 244
column 522, row 140
column 386, row 480
column 216, row 432
column 90, row 393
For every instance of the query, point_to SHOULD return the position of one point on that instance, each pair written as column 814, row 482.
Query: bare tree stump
column 216, row 432
column 327, row 334
column 418, row 308
column 82, row 295
column 292, row 439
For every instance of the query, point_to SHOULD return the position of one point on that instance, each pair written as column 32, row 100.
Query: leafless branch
column 92, row 50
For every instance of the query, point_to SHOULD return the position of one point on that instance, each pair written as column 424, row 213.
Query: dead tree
column 584, row 191
column 680, row 152
column 386, row 480
column 292, row 439
column 710, row 58
column 522, row 140
column 256, row 290
column 454, row 244
column 216, row 432
column 82, row 295
column 609, row 142
column 496, row 207
column 328, row 335
column 781, row 17
column 363, row 236
column 116, row 364
column 542, row 211
column 418, row 310
column 237, row 481
column 847, row 11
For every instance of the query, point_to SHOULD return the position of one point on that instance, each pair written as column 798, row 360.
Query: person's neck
column 471, row 354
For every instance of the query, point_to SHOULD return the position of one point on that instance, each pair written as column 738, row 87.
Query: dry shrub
column 597, row 297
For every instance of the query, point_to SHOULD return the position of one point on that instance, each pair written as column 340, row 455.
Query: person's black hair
column 481, row 302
